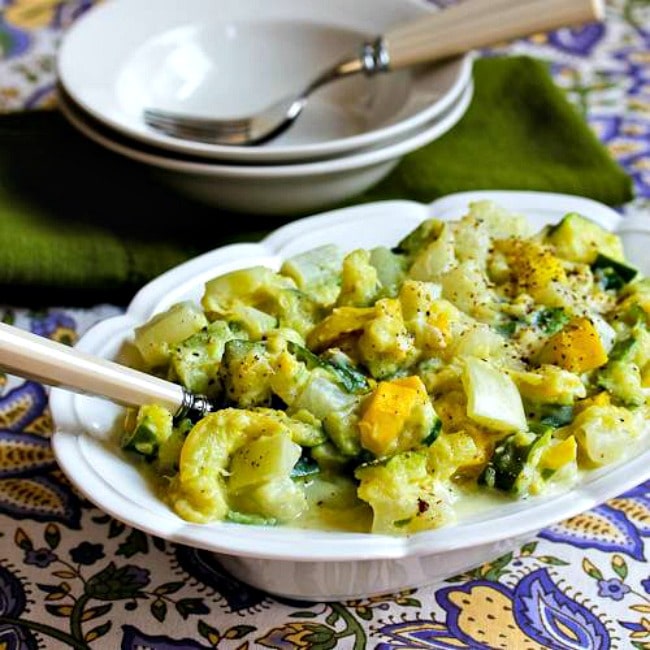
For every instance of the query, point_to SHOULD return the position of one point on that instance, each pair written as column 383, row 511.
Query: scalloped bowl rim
column 75, row 449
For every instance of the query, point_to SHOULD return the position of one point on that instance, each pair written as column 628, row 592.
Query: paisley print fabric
column 73, row 577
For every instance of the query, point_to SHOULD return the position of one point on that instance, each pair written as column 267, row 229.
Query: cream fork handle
column 472, row 24
column 54, row 364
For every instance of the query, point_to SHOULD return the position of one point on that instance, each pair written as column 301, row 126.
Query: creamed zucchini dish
column 387, row 390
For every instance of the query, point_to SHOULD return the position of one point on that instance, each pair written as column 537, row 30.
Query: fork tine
column 156, row 117
column 197, row 131
column 236, row 135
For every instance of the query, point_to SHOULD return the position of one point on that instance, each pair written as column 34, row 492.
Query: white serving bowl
column 273, row 189
column 322, row 565
column 232, row 57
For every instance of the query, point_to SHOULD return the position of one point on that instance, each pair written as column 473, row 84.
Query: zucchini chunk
column 317, row 272
column 157, row 337
column 611, row 273
column 153, row 426
column 196, row 360
column 579, row 239
column 523, row 462
column 246, row 373
column 403, row 495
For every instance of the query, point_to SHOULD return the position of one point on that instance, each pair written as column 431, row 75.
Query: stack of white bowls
column 222, row 58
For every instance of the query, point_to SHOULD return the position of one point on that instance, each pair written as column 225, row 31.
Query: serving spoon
column 55, row 364
column 468, row 25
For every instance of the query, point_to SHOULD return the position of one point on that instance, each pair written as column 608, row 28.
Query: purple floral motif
column 133, row 639
column 40, row 557
column 629, row 141
column 633, row 627
column 55, row 325
column 603, row 527
column 613, row 588
column 626, row 518
column 579, row 41
column 636, row 70
column 117, row 583
column 553, row 619
column 607, row 127
column 12, row 605
column 12, row 594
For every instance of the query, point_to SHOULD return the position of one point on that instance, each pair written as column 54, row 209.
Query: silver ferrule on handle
column 375, row 57
column 193, row 407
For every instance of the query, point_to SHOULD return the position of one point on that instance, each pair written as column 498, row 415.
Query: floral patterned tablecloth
column 73, row 577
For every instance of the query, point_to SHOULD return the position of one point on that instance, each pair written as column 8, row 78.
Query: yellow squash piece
column 558, row 455
column 198, row 492
column 549, row 385
column 600, row 399
column 342, row 321
column 426, row 316
column 533, row 265
column 577, row 347
column 398, row 417
column 386, row 346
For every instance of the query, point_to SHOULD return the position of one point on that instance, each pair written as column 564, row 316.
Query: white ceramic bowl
column 320, row 565
column 282, row 189
column 233, row 57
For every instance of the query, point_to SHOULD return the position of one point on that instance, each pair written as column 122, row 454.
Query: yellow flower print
column 30, row 14
column 486, row 615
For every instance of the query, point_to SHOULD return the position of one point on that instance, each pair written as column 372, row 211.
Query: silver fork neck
column 372, row 58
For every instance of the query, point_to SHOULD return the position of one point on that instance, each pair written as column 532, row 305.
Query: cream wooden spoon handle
column 54, row 364
column 472, row 24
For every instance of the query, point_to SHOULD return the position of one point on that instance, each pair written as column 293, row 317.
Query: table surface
column 73, row 577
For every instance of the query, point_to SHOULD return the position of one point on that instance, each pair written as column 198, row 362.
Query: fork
column 469, row 25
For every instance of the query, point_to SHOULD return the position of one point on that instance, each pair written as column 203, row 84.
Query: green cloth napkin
column 80, row 224
column 520, row 132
